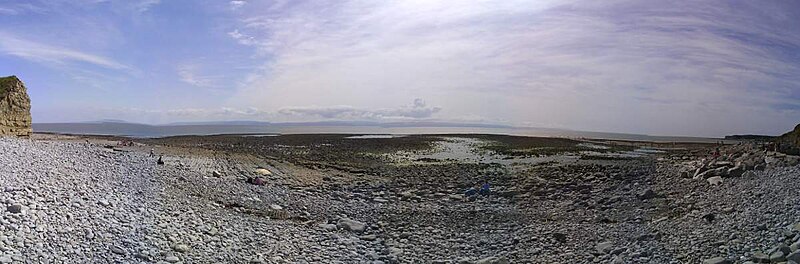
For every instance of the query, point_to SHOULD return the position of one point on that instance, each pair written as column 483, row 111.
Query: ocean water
column 367, row 131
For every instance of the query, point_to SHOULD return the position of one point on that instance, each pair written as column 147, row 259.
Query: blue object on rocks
column 484, row 189
column 471, row 192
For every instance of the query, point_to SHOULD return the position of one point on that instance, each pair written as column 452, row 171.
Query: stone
column 275, row 207
column 15, row 108
column 717, row 260
column 182, row 248
column 172, row 259
column 216, row 174
column 794, row 256
column 257, row 181
column 760, row 257
column 117, row 250
column 777, row 256
column 647, row 194
column 328, row 227
column 749, row 174
column 604, row 247
column 14, row 209
column 560, row 237
column 714, row 181
column 393, row 251
column 735, row 171
column 263, row 172
column 351, row 225
column 369, row 237
column 492, row 260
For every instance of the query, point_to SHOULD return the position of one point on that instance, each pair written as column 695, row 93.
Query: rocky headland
column 15, row 108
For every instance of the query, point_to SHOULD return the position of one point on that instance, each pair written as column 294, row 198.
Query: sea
column 369, row 130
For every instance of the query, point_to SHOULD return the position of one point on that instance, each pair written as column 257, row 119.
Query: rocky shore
column 324, row 198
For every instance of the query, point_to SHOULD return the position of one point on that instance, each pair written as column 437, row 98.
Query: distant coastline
column 118, row 128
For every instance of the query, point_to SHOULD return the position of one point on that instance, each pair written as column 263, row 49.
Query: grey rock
column 716, row 180
column 172, row 259
column 604, row 247
column 718, row 260
column 760, row 257
column 647, row 194
column 492, row 260
column 351, row 225
column 777, row 256
column 14, row 208
column 794, row 256
column 180, row 248
column 117, row 250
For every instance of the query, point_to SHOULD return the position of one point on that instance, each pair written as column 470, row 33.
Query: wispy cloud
column 8, row 11
column 40, row 52
column 190, row 73
column 416, row 111
column 609, row 65
column 237, row 4
column 145, row 5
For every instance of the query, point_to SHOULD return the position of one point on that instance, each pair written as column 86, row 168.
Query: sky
column 689, row 68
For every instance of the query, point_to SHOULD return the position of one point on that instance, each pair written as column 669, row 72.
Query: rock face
column 790, row 142
column 15, row 108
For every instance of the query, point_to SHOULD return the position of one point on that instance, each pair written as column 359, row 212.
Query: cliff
column 790, row 142
column 15, row 108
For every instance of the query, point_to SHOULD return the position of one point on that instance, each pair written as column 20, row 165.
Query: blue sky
column 700, row 68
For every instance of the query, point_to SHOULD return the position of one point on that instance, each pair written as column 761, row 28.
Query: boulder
column 604, row 247
column 493, row 260
column 15, row 108
column 794, row 256
column 714, row 181
column 647, row 194
column 760, row 257
column 263, row 172
column 351, row 225
column 717, row 260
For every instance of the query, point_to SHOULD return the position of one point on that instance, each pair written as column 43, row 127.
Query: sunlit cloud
column 44, row 53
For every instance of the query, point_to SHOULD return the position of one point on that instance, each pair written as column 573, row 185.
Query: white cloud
column 609, row 66
column 39, row 52
column 145, row 5
column 8, row 11
column 416, row 111
column 237, row 4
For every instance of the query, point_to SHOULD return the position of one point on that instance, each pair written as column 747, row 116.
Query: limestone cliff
column 15, row 108
column 790, row 142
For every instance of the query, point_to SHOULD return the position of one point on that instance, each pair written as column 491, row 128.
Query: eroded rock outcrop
column 790, row 142
column 15, row 108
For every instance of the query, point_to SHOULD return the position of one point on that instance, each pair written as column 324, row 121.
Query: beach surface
column 336, row 198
